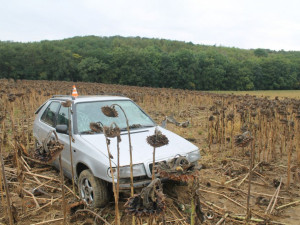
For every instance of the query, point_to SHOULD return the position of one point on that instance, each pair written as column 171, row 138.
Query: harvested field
column 272, row 94
column 218, row 125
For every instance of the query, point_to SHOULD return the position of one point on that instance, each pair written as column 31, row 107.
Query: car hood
column 142, row 152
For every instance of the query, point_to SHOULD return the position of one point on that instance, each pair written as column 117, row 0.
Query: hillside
column 151, row 62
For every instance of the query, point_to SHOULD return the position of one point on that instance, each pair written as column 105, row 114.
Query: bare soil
column 220, row 191
column 223, row 183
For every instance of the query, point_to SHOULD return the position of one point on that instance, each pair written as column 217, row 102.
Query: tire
column 92, row 190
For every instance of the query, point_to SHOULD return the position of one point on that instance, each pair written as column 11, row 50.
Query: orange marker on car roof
column 74, row 92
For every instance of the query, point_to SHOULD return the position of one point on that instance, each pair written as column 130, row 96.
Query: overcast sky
column 272, row 24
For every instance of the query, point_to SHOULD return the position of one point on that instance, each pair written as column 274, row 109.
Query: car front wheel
column 92, row 190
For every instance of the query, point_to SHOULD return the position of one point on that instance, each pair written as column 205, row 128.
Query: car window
column 63, row 116
column 49, row 115
column 88, row 112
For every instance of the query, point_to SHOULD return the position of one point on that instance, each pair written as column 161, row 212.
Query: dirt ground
column 220, row 190
column 223, row 179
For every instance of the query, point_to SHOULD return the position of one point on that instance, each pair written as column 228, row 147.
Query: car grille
column 135, row 179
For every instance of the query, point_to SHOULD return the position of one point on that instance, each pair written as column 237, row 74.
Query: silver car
column 90, row 157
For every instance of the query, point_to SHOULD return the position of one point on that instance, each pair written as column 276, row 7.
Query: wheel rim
column 87, row 191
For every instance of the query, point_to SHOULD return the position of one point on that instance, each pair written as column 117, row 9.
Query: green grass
column 271, row 94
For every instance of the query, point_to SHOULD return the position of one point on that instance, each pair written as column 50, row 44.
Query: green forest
column 150, row 62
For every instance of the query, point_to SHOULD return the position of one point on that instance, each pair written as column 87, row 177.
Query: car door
column 48, row 122
column 63, row 119
column 53, row 115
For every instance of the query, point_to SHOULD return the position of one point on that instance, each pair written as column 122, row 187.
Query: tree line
column 150, row 62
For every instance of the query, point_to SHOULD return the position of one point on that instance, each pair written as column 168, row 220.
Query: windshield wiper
column 145, row 126
column 136, row 126
column 89, row 132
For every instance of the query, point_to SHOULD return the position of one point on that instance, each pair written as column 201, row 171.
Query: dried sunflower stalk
column 49, row 150
column 156, row 140
column 150, row 202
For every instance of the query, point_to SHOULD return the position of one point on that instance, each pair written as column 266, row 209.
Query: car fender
column 99, row 170
column 92, row 158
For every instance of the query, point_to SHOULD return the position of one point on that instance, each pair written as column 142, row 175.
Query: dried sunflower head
column 284, row 121
column 19, row 94
column 216, row 113
column 253, row 113
column 2, row 116
column 157, row 139
column 211, row 118
column 109, row 111
column 243, row 140
column 11, row 97
column 96, row 127
column 230, row 116
column 66, row 104
column 112, row 131
column 212, row 108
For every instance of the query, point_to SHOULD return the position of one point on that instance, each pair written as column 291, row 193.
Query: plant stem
column 193, row 209
column 118, row 169
column 130, row 154
column 130, row 150
column 117, row 220
column 71, row 154
column 153, row 165
column 289, row 151
column 249, row 182
column 10, row 216
column 62, row 190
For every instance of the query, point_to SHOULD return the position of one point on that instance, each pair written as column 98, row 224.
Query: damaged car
column 90, row 162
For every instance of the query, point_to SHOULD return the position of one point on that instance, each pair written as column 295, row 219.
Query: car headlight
column 193, row 156
column 138, row 170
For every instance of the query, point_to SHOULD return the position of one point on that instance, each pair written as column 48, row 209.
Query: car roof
column 88, row 98
column 82, row 98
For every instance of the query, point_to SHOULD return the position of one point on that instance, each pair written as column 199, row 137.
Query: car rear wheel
column 92, row 190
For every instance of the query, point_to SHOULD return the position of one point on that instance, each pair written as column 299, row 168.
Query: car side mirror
column 62, row 129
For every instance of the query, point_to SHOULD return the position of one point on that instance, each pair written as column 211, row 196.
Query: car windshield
column 90, row 112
